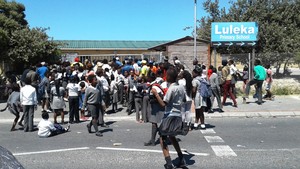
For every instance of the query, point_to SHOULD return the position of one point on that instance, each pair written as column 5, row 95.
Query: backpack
column 205, row 88
column 152, row 98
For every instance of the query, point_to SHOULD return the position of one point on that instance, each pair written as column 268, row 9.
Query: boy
column 92, row 101
column 47, row 129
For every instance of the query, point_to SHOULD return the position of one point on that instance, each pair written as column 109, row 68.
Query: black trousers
column 74, row 109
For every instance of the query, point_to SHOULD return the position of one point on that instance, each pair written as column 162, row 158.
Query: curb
column 266, row 114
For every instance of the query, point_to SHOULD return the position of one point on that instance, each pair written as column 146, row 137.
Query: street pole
column 195, row 31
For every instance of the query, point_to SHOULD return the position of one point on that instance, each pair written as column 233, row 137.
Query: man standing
column 28, row 99
column 259, row 77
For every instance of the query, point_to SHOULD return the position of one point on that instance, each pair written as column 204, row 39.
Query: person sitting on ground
column 48, row 129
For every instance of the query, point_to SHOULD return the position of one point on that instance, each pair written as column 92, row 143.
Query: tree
column 31, row 45
column 19, row 43
column 278, row 20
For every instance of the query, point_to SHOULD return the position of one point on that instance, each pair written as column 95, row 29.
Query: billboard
column 234, row 31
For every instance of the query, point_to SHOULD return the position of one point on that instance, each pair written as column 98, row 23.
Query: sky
column 114, row 19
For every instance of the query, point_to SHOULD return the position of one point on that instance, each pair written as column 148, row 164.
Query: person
column 199, row 101
column 42, row 70
column 14, row 104
column 82, row 85
column 186, row 81
column 226, row 83
column 245, row 77
column 259, row 77
column 28, row 99
column 156, row 110
column 131, row 84
column 138, row 99
column 73, row 90
column 48, row 129
column 57, row 94
column 215, row 87
column 269, row 81
column 114, row 92
column 234, row 76
column 173, row 102
column 43, row 92
column 92, row 102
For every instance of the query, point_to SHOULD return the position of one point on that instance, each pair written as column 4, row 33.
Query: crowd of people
column 151, row 90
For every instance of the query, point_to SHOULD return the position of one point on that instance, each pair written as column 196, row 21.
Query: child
column 28, row 99
column 92, row 102
column 47, row 129
column 14, row 105
column 57, row 94
column 114, row 91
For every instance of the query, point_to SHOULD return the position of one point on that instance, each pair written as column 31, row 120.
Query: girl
column 57, row 94
column 173, row 102
column 14, row 105
column 199, row 101
column 186, row 81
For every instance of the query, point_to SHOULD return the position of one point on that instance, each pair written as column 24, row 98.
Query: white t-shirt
column 73, row 89
column 45, row 127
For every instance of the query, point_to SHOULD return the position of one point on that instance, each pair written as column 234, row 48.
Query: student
column 28, row 99
column 185, row 79
column 73, row 90
column 173, row 102
column 157, row 111
column 57, row 94
column 114, row 92
column 92, row 102
column 138, row 99
column 48, row 129
column 215, row 87
column 199, row 101
column 14, row 105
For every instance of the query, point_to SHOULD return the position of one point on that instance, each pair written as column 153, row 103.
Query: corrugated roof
column 108, row 44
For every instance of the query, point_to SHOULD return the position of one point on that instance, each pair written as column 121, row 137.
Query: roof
column 108, row 44
column 162, row 47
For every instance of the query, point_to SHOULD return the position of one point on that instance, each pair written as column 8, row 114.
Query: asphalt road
column 229, row 143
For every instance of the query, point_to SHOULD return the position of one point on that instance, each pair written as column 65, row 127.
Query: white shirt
column 182, row 82
column 45, row 127
column 28, row 95
column 104, row 83
column 73, row 89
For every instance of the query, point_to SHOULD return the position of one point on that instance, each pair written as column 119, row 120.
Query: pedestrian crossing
column 219, row 150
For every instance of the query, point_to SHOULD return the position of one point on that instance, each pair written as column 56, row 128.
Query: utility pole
column 195, row 29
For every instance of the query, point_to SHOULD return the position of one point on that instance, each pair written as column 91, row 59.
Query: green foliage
column 19, row 43
column 30, row 45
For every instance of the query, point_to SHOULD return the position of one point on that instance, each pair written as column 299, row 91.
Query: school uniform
column 28, row 99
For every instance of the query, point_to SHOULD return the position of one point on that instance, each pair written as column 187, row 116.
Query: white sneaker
column 202, row 126
column 196, row 125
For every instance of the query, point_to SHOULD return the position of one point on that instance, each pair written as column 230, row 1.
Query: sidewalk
column 282, row 106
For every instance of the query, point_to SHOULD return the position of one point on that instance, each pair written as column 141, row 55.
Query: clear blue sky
column 114, row 19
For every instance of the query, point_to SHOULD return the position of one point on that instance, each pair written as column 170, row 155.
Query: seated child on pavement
column 48, row 129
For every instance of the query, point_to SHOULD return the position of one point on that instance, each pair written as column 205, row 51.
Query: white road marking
column 223, row 150
column 208, row 131
column 147, row 150
column 51, row 151
column 214, row 139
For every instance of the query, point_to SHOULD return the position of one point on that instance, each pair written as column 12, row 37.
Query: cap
column 77, row 59
column 166, row 58
column 117, row 58
column 43, row 63
column 144, row 62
